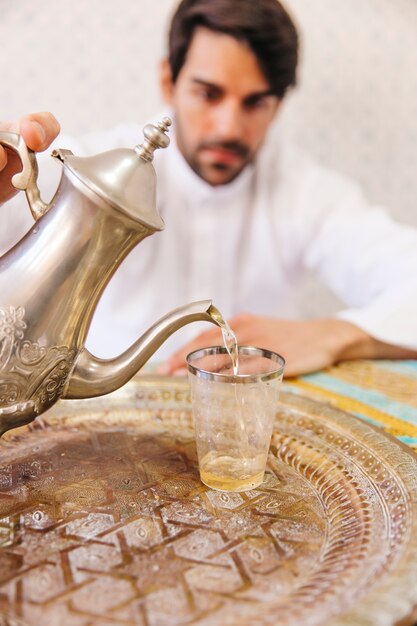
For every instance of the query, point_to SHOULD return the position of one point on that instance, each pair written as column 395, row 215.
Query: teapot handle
column 27, row 178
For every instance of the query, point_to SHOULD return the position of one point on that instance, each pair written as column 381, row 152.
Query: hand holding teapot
column 38, row 131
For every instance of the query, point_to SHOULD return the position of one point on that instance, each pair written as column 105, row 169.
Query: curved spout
column 96, row 377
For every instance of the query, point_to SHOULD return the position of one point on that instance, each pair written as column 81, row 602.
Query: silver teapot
column 51, row 280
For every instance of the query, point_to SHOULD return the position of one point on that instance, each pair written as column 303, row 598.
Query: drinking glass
column 234, row 413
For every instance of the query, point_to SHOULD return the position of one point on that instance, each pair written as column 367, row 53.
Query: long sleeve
column 366, row 258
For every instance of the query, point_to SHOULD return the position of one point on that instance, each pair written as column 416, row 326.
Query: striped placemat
column 383, row 393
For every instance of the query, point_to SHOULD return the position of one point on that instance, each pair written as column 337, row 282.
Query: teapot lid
column 124, row 178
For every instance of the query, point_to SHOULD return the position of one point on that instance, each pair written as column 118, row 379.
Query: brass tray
column 104, row 520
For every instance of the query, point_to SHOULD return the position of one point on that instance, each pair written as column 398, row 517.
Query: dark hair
column 263, row 24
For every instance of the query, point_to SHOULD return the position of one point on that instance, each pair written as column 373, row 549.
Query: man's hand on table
column 307, row 346
column 38, row 130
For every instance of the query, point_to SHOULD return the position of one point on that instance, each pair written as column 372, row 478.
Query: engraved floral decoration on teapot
column 26, row 368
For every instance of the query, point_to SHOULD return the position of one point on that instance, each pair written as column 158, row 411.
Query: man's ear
column 165, row 77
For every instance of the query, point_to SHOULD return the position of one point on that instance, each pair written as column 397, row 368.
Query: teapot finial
column 155, row 137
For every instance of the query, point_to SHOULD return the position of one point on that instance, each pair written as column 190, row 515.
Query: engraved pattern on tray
column 104, row 520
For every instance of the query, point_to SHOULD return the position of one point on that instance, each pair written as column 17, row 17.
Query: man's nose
column 228, row 121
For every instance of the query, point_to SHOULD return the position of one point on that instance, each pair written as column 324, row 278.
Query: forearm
column 349, row 342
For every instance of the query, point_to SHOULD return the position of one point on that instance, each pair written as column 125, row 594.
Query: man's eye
column 209, row 95
column 255, row 103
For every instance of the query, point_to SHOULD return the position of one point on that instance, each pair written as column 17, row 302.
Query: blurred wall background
column 95, row 62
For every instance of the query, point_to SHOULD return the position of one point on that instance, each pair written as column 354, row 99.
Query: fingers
column 39, row 130
column 212, row 337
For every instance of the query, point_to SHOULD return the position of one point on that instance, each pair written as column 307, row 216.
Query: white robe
column 246, row 246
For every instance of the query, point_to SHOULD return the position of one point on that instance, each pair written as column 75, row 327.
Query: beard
column 220, row 170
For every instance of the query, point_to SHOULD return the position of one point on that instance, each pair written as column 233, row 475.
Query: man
column 245, row 213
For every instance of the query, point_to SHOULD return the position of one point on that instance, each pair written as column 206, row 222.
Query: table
column 383, row 393
column 103, row 519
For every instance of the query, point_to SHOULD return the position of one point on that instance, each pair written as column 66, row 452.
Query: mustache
column 232, row 146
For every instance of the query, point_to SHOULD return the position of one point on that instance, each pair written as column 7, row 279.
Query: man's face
column 222, row 106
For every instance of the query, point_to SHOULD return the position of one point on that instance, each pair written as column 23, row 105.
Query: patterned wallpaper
column 95, row 62
column 92, row 62
column 356, row 108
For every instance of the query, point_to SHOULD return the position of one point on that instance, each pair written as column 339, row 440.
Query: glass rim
column 233, row 378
